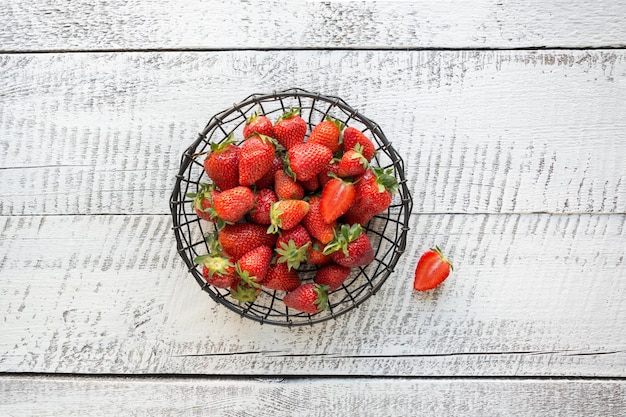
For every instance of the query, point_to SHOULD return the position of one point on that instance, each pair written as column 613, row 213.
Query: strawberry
column 290, row 129
column 311, row 185
column 352, row 136
column 337, row 197
column 330, row 170
column 258, row 124
column 352, row 162
column 238, row 239
column 231, row 205
column 293, row 246
column 286, row 214
column 431, row 270
column 374, row 192
column 280, row 277
column 351, row 247
column 222, row 164
column 327, row 133
column 306, row 160
column 252, row 267
column 263, row 200
column 332, row 275
column 245, row 292
column 255, row 159
column 267, row 180
column 218, row 271
column 286, row 187
column 203, row 201
column 315, row 224
column 310, row 298
column 316, row 256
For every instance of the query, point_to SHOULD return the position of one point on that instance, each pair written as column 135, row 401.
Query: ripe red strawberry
column 222, row 164
column 337, row 197
column 231, row 205
column 238, row 239
column 252, row 267
column 267, row 180
column 290, row 129
column 255, row 159
column 332, row 168
column 286, row 214
column 316, row 256
column 431, row 270
column 374, row 192
column 351, row 247
column 286, row 187
column 353, row 162
column 310, row 298
column 258, row 124
column 332, row 275
column 306, row 160
column 315, row 224
column 293, row 246
column 311, row 185
column 352, row 136
column 218, row 271
column 327, row 133
column 263, row 200
column 281, row 278
column 203, row 201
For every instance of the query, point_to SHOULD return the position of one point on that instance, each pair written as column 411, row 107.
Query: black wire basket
column 387, row 231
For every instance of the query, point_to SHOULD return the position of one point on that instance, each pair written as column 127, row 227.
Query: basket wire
column 387, row 230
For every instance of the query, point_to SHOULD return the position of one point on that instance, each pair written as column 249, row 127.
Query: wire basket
column 387, row 231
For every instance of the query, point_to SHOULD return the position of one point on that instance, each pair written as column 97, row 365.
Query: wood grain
column 24, row 396
column 121, row 25
column 480, row 132
column 532, row 295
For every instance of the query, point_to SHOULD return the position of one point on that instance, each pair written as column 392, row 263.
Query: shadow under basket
column 387, row 231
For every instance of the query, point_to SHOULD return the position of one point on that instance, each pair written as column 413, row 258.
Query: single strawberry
column 255, row 159
column 315, row 224
column 431, row 270
column 267, row 180
column 374, row 192
column 353, row 136
column 316, row 256
column 238, row 239
column 310, row 298
column 222, row 164
column 245, row 292
column 286, row 187
column 337, row 197
column 351, row 247
column 327, row 133
column 203, row 201
column 332, row 275
column 258, row 124
column 290, row 129
column 286, row 214
column 352, row 162
column 252, row 267
column 263, row 200
column 231, row 205
column 306, row 160
column 311, row 185
column 293, row 246
column 281, row 278
column 218, row 271
column 330, row 171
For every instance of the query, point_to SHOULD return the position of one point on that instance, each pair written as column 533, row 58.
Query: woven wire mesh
column 387, row 230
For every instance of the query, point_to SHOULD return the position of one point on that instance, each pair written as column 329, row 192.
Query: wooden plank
column 480, row 132
column 26, row 396
column 219, row 24
column 532, row 295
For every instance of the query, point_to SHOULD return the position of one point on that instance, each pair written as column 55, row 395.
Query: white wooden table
column 511, row 119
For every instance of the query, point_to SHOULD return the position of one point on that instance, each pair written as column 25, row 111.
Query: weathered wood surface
column 532, row 295
column 40, row 25
column 480, row 132
column 25, row 396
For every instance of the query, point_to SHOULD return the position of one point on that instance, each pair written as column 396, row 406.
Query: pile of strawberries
column 280, row 199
